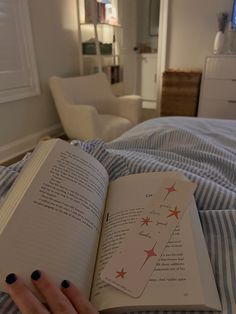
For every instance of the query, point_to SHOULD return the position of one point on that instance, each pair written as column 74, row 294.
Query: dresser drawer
column 219, row 89
column 221, row 68
column 220, row 109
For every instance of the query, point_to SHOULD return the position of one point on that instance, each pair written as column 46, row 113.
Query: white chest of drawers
column 218, row 88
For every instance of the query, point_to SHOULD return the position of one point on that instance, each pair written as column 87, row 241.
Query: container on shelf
column 89, row 48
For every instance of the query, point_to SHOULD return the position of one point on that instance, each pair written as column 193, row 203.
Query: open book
column 62, row 216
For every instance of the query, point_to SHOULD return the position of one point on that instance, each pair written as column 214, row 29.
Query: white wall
column 192, row 27
column 54, row 27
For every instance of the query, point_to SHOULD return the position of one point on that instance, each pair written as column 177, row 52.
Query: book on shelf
column 103, row 12
column 63, row 217
column 88, row 12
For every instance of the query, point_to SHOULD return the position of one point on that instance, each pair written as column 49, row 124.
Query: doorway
column 144, row 28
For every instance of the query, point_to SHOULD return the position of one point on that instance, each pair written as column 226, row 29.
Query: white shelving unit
column 95, row 31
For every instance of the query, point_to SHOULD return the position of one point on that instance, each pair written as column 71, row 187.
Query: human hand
column 67, row 300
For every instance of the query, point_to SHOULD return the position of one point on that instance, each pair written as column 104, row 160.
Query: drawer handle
column 233, row 80
column 232, row 101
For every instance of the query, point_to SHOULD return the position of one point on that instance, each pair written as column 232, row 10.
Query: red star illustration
column 170, row 189
column 150, row 253
column 174, row 212
column 121, row 274
column 145, row 221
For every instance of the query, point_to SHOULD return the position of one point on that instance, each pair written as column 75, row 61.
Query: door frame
column 162, row 48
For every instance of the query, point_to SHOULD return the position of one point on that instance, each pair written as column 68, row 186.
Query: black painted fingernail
column 36, row 275
column 65, row 284
column 11, row 278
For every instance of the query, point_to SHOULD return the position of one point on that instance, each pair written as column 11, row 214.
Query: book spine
column 88, row 11
column 101, row 12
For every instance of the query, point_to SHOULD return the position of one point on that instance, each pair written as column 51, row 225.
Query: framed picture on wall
column 154, row 10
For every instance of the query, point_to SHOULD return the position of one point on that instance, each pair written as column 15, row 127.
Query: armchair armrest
column 130, row 107
column 80, row 121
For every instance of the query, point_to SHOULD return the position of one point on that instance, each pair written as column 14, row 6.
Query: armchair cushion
column 130, row 107
column 80, row 121
column 113, row 126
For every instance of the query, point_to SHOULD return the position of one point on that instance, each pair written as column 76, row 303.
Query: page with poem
column 57, row 224
column 171, row 281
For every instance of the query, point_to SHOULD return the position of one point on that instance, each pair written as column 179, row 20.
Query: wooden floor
column 19, row 157
column 13, row 160
column 149, row 114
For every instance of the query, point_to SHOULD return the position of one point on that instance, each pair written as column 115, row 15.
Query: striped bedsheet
column 205, row 151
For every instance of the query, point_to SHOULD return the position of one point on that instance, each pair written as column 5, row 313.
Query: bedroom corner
column 54, row 32
column 110, row 112
column 183, row 45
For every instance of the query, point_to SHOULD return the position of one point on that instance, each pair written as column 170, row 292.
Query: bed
column 205, row 151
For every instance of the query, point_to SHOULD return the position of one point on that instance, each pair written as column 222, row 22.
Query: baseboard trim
column 27, row 143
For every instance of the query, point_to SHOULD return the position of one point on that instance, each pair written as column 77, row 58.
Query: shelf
column 102, row 24
column 105, row 30
column 96, row 56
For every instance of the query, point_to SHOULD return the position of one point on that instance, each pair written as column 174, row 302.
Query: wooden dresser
column 218, row 88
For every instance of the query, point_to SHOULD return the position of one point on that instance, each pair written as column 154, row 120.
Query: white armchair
column 88, row 109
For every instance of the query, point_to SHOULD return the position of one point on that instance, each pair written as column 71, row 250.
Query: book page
column 172, row 280
column 56, row 226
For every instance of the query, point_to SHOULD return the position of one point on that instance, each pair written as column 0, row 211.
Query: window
column 18, row 72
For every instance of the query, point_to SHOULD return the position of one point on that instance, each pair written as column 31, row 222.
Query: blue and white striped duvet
column 205, row 151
